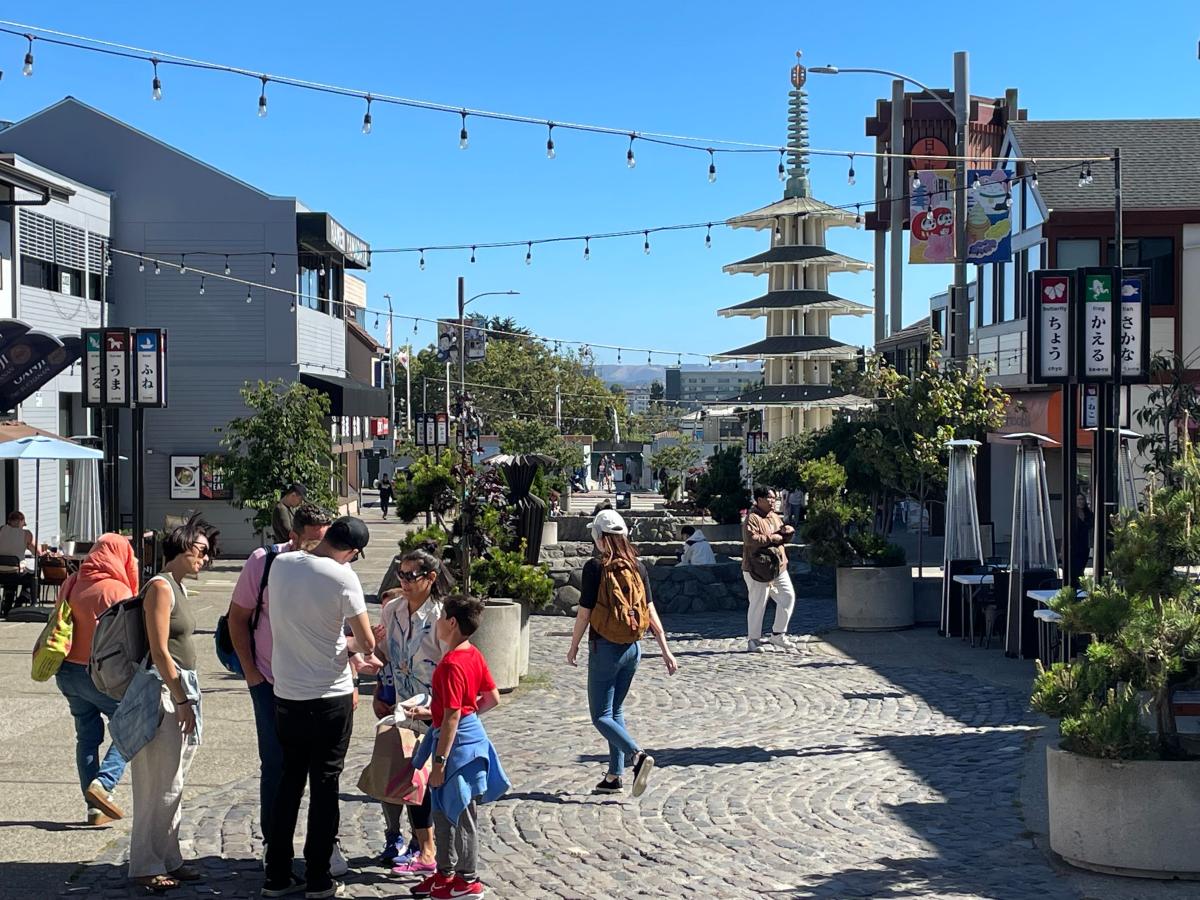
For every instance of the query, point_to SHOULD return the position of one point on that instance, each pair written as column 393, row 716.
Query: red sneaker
column 459, row 887
column 431, row 884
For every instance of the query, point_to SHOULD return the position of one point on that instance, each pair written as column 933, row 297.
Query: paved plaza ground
column 889, row 765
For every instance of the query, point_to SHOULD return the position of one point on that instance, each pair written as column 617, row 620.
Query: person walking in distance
column 616, row 608
column 249, row 620
column 313, row 596
column 108, row 575
column 161, row 766
column 385, row 492
column 285, row 509
column 764, row 568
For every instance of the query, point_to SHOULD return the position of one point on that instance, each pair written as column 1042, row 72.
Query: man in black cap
column 313, row 596
column 285, row 509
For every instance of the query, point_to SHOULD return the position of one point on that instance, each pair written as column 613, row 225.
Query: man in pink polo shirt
column 250, row 631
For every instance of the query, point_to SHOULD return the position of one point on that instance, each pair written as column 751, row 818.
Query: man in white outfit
column 764, row 534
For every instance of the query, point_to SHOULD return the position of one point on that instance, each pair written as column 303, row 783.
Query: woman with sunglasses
column 407, row 639
column 159, row 768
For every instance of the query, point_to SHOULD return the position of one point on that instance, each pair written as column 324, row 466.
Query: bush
column 431, row 487
column 418, row 540
column 503, row 573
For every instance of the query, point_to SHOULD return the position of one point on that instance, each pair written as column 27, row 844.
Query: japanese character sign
column 1051, row 344
column 114, row 350
column 1133, row 339
column 93, row 371
column 1098, row 324
column 150, row 362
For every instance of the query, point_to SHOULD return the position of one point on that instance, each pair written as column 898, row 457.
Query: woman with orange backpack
column 616, row 608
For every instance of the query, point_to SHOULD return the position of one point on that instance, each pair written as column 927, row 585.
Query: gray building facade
column 692, row 387
column 175, row 209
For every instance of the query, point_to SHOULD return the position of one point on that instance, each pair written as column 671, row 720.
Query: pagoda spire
column 797, row 180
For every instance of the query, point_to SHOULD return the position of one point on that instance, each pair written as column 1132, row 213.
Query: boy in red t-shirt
column 465, row 768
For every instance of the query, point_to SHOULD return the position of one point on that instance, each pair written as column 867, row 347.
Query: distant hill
column 640, row 376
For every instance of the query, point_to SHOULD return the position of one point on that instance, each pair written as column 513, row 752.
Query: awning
column 348, row 396
column 322, row 234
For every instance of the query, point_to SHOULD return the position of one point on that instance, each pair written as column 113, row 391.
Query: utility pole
column 898, row 186
column 391, row 380
column 959, row 299
column 558, row 407
column 462, row 427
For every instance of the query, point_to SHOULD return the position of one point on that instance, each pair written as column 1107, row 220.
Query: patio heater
column 1034, row 561
column 963, row 548
column 1127, row 489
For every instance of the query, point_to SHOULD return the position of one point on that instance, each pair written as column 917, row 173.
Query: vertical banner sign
column 1097, row 309
column 1134, row 336
column 1051, row 345
column 148, row 361
column 931, row 217
column 1090, row 409
column 430, row 431
column 115, row 355
column 989, row 217
column 443, row 429
column 93, row 368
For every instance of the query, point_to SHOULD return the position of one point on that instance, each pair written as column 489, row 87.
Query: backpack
column 119, row 646
column 622, row 614
column 226, row 654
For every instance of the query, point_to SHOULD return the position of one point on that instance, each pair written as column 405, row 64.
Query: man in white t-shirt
column 313, row 596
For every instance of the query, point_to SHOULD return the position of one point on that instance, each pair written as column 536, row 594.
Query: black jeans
column 314, row 735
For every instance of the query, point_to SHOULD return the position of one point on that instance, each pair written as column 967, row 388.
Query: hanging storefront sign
column 185, row 477
column 115, row 343
column 443, row 430
column 1096, row 325
column 931, row 217
column 1134, row 337
column 47, row 358
column 93, row 368
column 1051, row 338
column 150, row 359
column 476, row 338
column 989, row 217
column 1089, row 410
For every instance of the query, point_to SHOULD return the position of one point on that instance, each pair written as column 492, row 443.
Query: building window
column 1158, row 255
column 35, row 273
column 95, row 286
column 1072, row 253
column 1008, row 292
column 986, row 310
column 69, row 281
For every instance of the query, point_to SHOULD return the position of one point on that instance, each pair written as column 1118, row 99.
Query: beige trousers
column 159, row 770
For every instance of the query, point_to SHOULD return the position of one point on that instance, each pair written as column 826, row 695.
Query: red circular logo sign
column 929, row 147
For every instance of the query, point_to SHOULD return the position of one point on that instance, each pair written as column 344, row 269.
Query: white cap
column 608, row 521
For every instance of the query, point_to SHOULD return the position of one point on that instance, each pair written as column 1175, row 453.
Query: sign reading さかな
column 1051, row 344
column 1134, row 335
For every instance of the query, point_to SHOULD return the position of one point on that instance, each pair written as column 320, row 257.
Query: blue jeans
column 87, row 706
column 611, row 668
column 270, row 753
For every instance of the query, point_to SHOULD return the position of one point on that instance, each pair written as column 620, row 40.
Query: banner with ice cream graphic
column 931, row 216
column 989, row 216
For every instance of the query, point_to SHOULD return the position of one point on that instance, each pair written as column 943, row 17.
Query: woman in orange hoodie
column 108, row 575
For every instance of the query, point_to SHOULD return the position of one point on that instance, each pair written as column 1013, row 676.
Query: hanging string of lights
column 586, row 239
column 709, row 146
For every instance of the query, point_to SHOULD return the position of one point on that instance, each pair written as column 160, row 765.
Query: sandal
column 158, row 884
column 187, row 872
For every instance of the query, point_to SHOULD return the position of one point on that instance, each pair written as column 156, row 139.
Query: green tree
column 676, row 459
column 657, row 391
column 284, row 439
column 722, row 488
column 782, row 465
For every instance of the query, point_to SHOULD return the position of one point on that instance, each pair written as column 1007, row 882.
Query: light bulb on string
column 857, row 214
column 850, row 179
column 550, row 154
column 916, row 181
column 376, row 320
column 201, row 285
column 156, row 84
column 782, row 170
column 249, row 298
column 778, row 232
column 472, row 254
column 27, row 69
column 366, row 129
column 1087, row 172
column 421, row 262
column 618, row 356
column 321, row 269
column 630, row 159
column 1033, row 178
column 157, row 270
column 226, row 263
column 712, row 167
column 262, row 98
column 463, row 141
column 646, row 244
column 529, row 253
column 708, row 237
column 273, row 264
column 587, row 249
column 141, row 264
column 292, row 305
column 414, row 326
column 679, row 359
column 182, row 263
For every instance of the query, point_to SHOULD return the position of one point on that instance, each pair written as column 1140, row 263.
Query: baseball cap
column 608, row 521
column 349, row 533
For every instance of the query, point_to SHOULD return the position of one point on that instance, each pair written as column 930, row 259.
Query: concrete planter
column 523, row 644
column 874, row 598
column 549, row 534
column 1124, row 817
column 499, row 640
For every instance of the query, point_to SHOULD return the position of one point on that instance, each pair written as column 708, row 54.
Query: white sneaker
column 337, row 862
column 759, row 646
column 782, row 641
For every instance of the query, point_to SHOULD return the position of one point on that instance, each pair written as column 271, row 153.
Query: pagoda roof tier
column 805, row 396
column 797, row 299
column 792, row 206
column 796, row 254
column 806, row 346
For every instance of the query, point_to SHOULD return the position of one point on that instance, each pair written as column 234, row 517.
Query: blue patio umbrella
column 37, row 447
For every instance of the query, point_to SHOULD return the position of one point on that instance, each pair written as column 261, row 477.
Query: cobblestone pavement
column 786, row 775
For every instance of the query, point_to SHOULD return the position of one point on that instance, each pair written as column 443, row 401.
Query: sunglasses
column 203, row 549
column 413, row 576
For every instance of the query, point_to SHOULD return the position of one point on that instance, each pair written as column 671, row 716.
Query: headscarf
column 108, row 575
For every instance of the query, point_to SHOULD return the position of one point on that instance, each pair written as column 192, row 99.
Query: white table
column 1048, row 619
column 970, row 584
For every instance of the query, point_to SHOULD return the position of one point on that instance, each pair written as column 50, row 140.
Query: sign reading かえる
column 1096, row 324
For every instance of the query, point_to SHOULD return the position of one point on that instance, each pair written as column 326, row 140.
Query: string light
column 366, row 129
column 463, row 140
column 249, row 298
column 778, row 232
column 156, row 84
column 782, row 170
column 712, row 167
column 630, row 160
column 27, row 69
column 1033, row 178
column 292, row 305
column 550, row 154
column 587, row 249
column 421, row 263
column 376, row 320
column 708, row 237
column 857, row 214
column 472, row 254
column 850, row 179
column 916, row 181
column 156, row 267
column 618, row 356
column 414, row 326
column 182, row 263
column 529, row 253
column 1085, row 174
column 141, row 264
column 226, row 263
column 201, row 285
column 262, row 98
column 646, row 245
column 272, row 263
column 321, row 270
column 649, row 361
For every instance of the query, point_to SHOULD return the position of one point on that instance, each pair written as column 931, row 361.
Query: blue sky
column 704, row 68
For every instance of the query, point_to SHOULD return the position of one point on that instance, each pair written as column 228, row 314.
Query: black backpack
column 225, row 651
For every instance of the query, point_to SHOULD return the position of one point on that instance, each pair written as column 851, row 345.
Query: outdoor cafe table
column 969, row 585
column 1048, row 619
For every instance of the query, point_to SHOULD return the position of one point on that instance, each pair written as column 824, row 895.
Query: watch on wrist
column 439, row 760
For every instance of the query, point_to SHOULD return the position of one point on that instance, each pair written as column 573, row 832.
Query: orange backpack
column 622, row 614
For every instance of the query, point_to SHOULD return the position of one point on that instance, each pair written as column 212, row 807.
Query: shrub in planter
column 417, row 540
column 505, row 574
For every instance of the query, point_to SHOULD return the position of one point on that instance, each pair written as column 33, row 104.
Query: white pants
column 785, row 600
column 158, row 773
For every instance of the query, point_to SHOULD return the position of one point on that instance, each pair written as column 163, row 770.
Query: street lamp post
column 391, row 335
column 959, row 307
